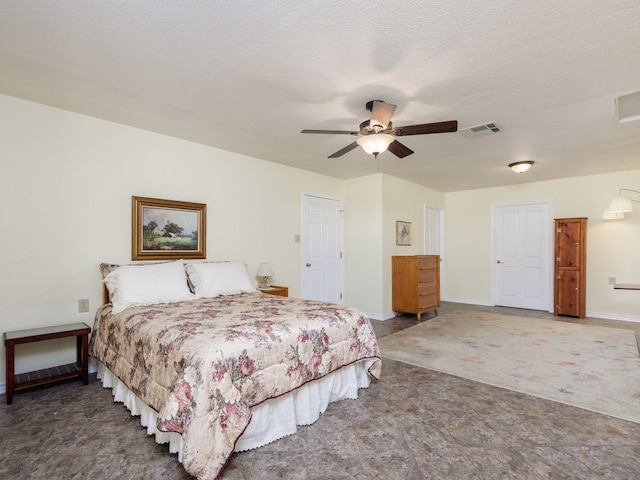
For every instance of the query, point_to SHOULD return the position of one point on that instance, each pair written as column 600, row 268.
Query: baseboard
column 608, row 316
column 386, row 316
column 469, row 302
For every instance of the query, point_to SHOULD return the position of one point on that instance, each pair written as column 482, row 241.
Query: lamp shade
column 521, row 167
column 608, row 215
column 620, row 205
column 375, row 143
column 265, row 270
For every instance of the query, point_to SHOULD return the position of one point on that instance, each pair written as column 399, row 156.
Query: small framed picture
column 403, row 233
column 167, row 229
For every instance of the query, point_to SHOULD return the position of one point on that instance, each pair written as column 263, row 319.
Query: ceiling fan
column 378, row 134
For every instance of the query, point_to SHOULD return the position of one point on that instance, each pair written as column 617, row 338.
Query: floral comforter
column 202, row 364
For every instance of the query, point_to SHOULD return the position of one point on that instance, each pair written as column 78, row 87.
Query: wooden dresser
column 570, row 285
column 415, row 284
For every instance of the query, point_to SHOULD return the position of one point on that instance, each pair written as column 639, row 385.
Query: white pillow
column 219, row 278
column 130, row 285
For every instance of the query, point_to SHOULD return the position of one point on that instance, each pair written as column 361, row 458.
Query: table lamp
column 264, row 274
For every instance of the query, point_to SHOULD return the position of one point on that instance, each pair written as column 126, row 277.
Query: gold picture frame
column 403, row 233
column 167, row 229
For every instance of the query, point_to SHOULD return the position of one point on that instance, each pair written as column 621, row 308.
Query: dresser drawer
column 428, row 301
column 427, row 288
column 426, row 275
column 426, row 262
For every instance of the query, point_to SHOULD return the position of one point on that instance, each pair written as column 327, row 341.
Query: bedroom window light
column 264, row 274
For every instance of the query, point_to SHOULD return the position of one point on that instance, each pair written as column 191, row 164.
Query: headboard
column 105, row 294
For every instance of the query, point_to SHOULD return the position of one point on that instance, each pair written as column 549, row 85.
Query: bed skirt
column 271, row 420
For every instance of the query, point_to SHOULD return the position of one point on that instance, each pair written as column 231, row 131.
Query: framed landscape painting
column 167, row 229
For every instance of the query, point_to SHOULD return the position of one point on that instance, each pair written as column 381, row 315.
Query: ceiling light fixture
column 521, row 167
column 375, row 143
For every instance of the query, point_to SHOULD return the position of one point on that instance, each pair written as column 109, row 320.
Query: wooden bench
column 78, row 369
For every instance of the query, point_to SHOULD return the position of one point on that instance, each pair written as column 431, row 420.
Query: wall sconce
column 375, row 143
column 521, row 167
column 620, row 205
column 264, row 274
column 607, row 215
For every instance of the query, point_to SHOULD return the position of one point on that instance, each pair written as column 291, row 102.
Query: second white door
column 522, row 249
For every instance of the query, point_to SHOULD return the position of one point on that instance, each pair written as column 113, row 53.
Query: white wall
column 363, row 257
column 375, row 203
column 613, row 247
column 404, row 201
column 65, row 188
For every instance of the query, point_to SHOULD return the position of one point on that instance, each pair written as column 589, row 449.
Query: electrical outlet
column 296, row 238
column 83, row 305
column 612, row 280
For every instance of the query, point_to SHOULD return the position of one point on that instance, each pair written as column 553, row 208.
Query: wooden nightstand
column 276, row 290
column 78, row 369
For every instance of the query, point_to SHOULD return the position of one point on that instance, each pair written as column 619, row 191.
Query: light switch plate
column 83, row 305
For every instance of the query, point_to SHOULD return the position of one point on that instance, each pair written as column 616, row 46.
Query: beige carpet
column 591, row 367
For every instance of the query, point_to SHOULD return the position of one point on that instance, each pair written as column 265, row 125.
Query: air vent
column 628, row 107
column 481, row 130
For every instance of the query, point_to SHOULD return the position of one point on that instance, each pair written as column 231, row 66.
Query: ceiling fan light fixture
column 521, row 167
column 377, row 134
column 375, row 143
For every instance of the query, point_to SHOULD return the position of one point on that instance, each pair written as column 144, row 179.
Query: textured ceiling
column 247, row 76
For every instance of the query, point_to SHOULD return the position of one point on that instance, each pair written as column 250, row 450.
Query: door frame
column 547, row 245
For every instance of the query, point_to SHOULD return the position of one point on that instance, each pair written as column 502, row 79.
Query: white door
column 322, row 250
column 433, row 238
column 431, row 231
column 522, row 247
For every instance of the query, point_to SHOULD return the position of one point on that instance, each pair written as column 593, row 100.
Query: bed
column 214, row 366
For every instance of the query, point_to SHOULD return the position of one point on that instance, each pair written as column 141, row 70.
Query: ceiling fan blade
column 399, row 150
column 381, row 113
column 333, row 132
column 425, row 128
column 346, row 149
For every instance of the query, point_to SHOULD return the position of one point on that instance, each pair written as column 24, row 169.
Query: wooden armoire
column 570, row 275
column 415, row 283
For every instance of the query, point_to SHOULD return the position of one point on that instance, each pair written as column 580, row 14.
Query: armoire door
column 570, row 267
column 568, row 293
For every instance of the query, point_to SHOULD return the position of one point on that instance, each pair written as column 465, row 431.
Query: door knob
column 308, row 264
column 499, row 261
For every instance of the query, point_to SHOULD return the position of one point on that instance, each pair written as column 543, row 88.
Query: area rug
column 591, row 367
